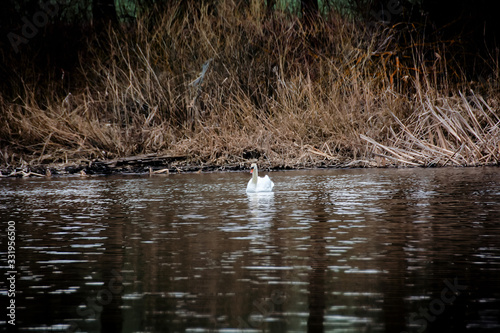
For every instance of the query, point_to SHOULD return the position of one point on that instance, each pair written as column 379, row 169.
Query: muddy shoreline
column 154, row 164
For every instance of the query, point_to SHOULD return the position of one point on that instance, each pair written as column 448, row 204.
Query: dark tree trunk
column 104, row 12
column 310, row 9
column 270, row 6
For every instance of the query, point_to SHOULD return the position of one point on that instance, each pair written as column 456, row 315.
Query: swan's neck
column 255, row 175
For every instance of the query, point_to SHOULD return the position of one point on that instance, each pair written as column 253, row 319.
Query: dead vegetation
column 457, row 131
column 222, row 87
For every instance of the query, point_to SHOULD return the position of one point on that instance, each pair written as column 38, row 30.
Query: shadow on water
column 414, row 250
column 110, row 297
column 318, row 262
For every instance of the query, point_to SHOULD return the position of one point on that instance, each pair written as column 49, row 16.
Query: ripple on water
column 196, row 253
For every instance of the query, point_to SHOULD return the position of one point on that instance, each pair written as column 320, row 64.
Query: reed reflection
column 353, row 250
column 318, row 263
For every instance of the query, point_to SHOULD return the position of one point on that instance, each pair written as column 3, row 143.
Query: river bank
column 164, row 164
column 216, row 88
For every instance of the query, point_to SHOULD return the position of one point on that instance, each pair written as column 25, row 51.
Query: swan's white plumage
column 259, row 184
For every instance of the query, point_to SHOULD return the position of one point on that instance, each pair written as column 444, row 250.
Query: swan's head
column 253, row 167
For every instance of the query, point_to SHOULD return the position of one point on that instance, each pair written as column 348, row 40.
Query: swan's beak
column 251, row 170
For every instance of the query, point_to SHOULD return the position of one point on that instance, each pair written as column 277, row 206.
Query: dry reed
column 330, row 94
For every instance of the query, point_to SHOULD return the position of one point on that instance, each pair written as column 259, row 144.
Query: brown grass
column 457, row 130
column 287, row 95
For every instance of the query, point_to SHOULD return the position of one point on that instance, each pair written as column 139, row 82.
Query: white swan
column 259, row 184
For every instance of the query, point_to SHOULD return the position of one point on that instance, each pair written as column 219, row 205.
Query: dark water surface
column 336, row 251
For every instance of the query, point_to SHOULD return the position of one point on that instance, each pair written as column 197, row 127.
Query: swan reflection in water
column 261, row 207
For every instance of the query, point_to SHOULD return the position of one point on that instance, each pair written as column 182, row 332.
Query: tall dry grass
column 458, row 130
column 329, row 93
